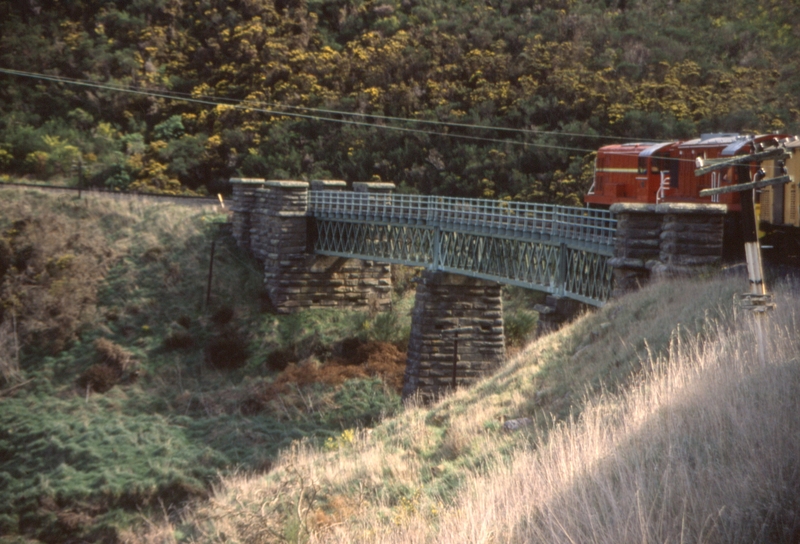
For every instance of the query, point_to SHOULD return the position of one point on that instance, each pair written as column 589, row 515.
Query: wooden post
column 455, row 357
column 210, row 272
column 455, row 332
column 752, row 252
column 756, row 299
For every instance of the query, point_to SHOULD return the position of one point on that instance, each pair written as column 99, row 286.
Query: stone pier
column 452, row 309
column 665, row 240
column 281, row 238
column 243, row 205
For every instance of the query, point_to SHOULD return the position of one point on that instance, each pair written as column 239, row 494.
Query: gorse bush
column 114, row 363
column 543, row 80
column 113, row 355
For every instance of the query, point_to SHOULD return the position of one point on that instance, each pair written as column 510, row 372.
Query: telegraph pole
column 757, row 299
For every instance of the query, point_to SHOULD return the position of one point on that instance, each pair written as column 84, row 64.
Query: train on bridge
column 652, row 173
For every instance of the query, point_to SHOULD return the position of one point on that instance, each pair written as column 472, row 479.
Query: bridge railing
column 468, row 214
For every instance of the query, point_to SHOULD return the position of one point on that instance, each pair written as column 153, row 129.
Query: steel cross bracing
column 557, row 249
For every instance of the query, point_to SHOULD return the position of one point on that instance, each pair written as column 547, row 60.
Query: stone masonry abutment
column 665, row 240
column 652, row 241
column 271, row 222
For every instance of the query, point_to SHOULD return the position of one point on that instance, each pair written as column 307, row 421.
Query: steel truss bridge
column 557, row 249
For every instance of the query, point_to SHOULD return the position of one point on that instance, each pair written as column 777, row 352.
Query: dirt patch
column 364, row 360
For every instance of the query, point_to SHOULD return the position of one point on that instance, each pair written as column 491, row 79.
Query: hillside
column 123, row 390
column 651, row 420
column 132, row 410
column 500, row 99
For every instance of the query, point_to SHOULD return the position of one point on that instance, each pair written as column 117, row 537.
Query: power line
column 246, row 106
column 408, row 120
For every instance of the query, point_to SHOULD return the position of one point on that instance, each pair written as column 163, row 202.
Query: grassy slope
column 80, row 464
column 405, row 479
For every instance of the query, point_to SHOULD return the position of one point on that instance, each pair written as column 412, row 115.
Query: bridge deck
column 557, row 249
column 519, row 219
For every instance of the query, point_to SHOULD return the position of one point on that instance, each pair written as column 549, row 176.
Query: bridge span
column 322, row 245
column 556, row 249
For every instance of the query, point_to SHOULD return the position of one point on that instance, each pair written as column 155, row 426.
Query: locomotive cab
column 651, row 173
column 629, row 173
column 656, row 174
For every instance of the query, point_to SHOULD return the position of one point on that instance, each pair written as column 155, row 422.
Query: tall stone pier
column 456, row 333
column 281, row 238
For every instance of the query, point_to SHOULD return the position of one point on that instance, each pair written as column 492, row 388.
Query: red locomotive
column 664, row 172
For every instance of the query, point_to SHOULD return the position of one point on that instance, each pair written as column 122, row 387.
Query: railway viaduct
column 324, row 245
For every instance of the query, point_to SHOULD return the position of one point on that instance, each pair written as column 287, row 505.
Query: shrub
column 223, row 316
column 392, row 326
column 179, row 339
column 227, row 351
column 98, row 378
column 347, row 349
column 519, row 326
column 279, row 359
column 113, row 355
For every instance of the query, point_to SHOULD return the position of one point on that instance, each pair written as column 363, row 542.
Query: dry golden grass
column 703, row 448
column 698, row 447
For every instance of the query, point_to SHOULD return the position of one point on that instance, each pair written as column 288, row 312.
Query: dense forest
column 497, row 98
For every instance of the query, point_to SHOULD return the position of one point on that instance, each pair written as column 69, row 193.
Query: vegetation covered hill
column 651, row 420
column 133, row 411
column 571, row 69
column 122, row 390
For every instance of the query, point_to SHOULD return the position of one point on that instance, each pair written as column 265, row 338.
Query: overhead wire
column 231, row 101
column 252, row 106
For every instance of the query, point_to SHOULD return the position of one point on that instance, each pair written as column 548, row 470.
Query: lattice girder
column 578, row 271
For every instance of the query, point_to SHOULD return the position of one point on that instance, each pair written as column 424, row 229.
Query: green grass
column 75, row 465
column 73, row 453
